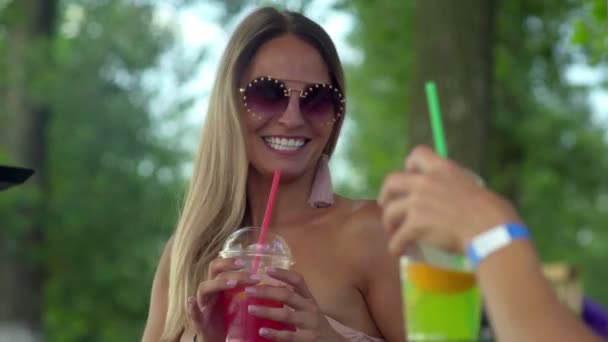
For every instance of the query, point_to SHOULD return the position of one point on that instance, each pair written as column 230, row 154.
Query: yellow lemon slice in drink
column 435, row 279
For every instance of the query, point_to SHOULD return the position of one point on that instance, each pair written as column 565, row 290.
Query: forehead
column 290, row 58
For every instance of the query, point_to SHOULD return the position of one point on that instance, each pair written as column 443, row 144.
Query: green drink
column 439, row 304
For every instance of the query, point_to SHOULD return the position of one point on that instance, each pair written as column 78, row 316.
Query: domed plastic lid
column 244, row 243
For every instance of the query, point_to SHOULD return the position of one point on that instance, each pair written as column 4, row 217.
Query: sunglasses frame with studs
column 273, row 96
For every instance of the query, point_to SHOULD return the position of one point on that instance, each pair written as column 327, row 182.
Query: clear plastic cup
column 274, row 252
column 441, row 299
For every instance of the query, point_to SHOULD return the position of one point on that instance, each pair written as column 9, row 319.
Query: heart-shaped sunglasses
column 265, row 97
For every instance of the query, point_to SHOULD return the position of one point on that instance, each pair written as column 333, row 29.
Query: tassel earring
column 322, row 193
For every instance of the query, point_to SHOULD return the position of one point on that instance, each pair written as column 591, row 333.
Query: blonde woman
column 277, row 103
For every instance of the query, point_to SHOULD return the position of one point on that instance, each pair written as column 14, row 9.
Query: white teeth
column 284, row 144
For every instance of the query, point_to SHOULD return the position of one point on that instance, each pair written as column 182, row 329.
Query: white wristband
column 494, row 239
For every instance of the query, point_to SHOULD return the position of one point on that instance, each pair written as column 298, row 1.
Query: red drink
column 241, row 326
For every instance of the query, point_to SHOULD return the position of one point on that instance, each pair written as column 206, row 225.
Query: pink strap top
column 350, row 333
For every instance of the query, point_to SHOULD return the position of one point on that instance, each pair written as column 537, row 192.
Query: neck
column 291, row 201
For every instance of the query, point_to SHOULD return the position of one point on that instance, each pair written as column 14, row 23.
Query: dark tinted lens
column 266, row 98
column 319, row 103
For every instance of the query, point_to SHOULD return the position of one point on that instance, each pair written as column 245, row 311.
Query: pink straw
column 267, row 216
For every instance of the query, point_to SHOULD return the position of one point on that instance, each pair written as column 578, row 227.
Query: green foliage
column 591, row 30
column 115, row 181
column 377, row 93
column 114, row 172
column 548, row 153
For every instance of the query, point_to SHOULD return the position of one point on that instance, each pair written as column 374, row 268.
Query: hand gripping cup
column 273, row 252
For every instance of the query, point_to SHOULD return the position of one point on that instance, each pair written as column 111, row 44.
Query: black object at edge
column 10, row 176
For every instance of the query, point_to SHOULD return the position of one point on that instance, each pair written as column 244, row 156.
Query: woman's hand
column 300, row 310
column 436, row 201
column 206, row 307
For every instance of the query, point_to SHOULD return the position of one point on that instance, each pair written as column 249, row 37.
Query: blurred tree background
column 531, row 136
column 79, row 241
column 81, row 103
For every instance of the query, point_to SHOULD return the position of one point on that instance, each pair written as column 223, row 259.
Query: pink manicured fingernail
column 239, row 262
column 255, row 276
column 231, row 282
column 264, row 332
column 253, row 308
column 250, row 290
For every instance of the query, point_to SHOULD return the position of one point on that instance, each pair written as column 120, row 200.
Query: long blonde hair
column 215, row 204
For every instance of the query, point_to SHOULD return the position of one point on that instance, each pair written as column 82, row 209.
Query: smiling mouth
column 285, row 144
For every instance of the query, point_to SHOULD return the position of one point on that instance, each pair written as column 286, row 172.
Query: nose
column 292, row 117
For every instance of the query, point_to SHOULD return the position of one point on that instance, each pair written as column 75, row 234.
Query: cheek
column 251, row 126
column 249, row 132
column 252, row 123
column 326, row 133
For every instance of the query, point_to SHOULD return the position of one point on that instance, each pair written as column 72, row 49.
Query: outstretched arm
column 436, row 201
column 521, row 303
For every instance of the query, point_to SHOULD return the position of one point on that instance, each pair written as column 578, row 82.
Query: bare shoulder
column 378, row 270
column 363, row 222
column 162, row 271
column 158, row 298
column 366, row 210
column 164, row 263
column 362, row 233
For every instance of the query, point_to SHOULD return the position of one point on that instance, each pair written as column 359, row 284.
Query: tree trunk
column 453, row 47
column 30, row 28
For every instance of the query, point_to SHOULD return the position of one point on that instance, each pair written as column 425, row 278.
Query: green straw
column 438, row 135
column 442, row 151
column 436, row 125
